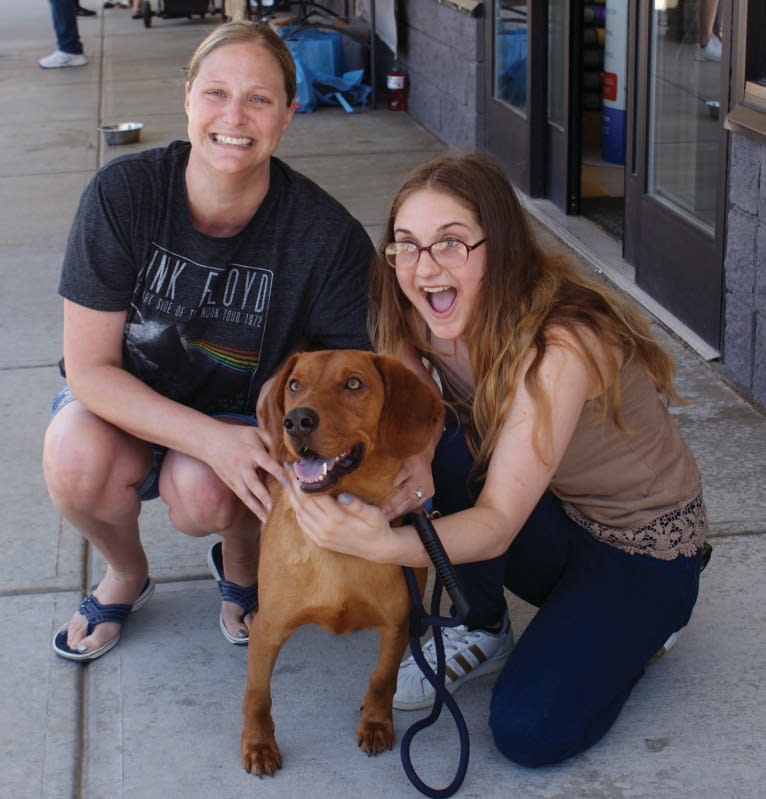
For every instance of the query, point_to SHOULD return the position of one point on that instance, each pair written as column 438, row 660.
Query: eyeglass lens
column 404, row 255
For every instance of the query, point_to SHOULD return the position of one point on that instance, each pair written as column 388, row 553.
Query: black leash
column 419, row 623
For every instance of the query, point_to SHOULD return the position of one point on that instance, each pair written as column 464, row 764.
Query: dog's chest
column 339, row 592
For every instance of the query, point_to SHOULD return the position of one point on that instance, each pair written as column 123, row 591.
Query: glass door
column 562, row 162
column 515, row 88
column 676, row 185
column 684, row 127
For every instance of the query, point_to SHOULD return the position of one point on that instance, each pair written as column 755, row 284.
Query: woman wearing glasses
column 561, row 476
column 191, row 272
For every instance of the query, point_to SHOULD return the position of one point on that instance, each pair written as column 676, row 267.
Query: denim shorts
column 150, row 487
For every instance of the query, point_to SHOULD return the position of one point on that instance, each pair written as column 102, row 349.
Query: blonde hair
column 525, row 295
column 245, row 32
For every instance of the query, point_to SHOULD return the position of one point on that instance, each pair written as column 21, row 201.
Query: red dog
column 347, row 420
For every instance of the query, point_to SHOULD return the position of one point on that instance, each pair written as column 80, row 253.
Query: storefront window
column 755, row 58
column 511, row 28
column 748, row 113
column 685, row 87
column 557, row 52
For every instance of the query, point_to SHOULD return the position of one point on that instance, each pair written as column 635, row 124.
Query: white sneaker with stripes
column 468, row 654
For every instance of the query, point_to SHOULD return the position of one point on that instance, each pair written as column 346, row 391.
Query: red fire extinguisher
column 397, row 85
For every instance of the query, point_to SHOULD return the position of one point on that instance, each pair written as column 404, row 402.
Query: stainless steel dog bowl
column 122, row 133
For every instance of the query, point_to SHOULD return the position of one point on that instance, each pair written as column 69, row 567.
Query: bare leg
column 235, row 9
column 92, row 470
column 708, row 11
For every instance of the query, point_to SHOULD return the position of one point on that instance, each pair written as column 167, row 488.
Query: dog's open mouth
column 316, row 473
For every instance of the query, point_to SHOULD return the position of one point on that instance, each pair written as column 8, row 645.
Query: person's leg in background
column 69, row 52
column 601, row 619
column 710, row 43
column 236, row 9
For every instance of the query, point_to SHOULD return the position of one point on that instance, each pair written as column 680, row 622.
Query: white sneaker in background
column 711, row 51
column 62, row 59
column 468, row 654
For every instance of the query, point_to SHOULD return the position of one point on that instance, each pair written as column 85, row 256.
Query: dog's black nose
column 300, row 421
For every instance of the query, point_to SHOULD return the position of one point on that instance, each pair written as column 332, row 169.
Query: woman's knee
column 198, row 501
column 526, row 737
column 541, row 726
column 87, row 465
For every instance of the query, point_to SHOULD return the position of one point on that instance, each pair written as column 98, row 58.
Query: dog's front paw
column 260, row 757
column 375, row 737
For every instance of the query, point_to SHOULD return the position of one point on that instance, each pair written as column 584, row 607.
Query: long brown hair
column 526, row 294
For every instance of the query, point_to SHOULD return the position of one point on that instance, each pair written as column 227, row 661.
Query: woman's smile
column 441, row 298
column 237, row 110
column 235, row 141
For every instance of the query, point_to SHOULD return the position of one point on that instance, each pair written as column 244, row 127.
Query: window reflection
column 510, row 70
column 754, row 45
column 557, row 51
column 684, row 119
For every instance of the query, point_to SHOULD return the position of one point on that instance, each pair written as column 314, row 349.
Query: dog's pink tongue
column 441, row 300
column 309, row 470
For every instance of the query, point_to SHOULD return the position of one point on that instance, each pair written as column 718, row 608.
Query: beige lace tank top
column 637, row 489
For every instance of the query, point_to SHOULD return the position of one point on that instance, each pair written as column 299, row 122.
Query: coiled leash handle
column 419, row 622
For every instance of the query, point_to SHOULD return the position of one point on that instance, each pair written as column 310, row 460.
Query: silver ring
column 418, row 494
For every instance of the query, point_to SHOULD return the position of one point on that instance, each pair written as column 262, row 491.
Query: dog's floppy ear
column 411, row 410
column 272, row 410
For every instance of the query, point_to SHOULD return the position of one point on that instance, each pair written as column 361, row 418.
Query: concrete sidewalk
column 159, row 716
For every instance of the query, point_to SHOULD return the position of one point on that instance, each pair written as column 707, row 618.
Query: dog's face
column 346, row 419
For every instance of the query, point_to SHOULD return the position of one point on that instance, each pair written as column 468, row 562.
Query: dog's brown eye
column 293, row 385
column 354, row 383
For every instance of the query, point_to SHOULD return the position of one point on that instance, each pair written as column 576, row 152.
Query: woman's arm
column 414, row 483
column 93, row 342
column 516, row 479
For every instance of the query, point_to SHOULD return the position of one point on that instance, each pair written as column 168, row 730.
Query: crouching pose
column 561, row 475
column 191, row 273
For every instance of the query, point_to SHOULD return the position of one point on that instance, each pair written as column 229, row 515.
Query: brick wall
column 441, row 49
column 744, row 337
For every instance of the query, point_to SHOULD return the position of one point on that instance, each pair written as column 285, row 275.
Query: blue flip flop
column 96, row 614
column 246, row 598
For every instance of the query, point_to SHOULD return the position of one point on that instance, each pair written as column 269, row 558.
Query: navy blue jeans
column 64, row 13
column 603, row 613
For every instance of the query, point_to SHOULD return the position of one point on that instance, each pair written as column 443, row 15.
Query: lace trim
column 679, row 530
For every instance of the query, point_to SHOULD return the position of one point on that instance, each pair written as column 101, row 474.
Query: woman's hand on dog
column 413, row 486
column 241, row 458
column 344, row 524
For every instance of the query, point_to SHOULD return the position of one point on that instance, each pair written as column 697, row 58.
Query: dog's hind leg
column 259, row 751
column 375, row 731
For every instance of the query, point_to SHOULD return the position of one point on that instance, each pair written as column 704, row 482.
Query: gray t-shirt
column 210, row 319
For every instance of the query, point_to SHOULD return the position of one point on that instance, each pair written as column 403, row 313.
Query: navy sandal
column 246, row 598
column 96, row 614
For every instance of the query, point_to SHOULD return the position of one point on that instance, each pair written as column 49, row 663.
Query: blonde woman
column 191, row 272
column 561, row 476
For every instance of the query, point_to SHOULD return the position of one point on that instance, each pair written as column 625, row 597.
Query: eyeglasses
column 448, row 253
